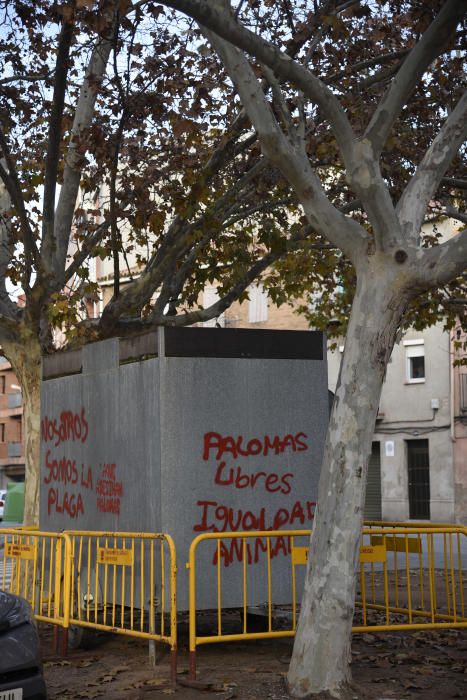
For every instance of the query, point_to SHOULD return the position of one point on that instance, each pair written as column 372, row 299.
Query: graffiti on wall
column 232, row 459
column 73, row 484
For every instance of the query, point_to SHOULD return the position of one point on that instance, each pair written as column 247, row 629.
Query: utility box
column 184, row 431
column 14, row 504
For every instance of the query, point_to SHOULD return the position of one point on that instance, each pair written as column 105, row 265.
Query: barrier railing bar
column 58, row 572
column 453, row 580
column 34, row 576
column 407, row 573
column 141, row 575
column 268, row 546
column 49, row 600
column 41, row 589
column 420, row 565
column 152, row 627
column 244, row 586
column 132, row 584
column 162, row 551
column 294, row 584
column 114, row 589
column 459, row 568
column 396, row 569
column 219, row 598
column 446, row 575
column 363, row 591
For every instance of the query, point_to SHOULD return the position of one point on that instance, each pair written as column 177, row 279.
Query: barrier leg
column 152, row 653
column 192, row 671
column 55, row 646
column 173, row 666
column 65, row 641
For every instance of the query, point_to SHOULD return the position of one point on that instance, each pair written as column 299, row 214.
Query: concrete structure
column 186, row 431
column 11, row 426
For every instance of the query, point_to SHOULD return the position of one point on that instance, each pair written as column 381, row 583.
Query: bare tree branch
column 456, row 182
column 7, row 307
column 74, row 159
column 280, row 102
column 424, row 183
column 54, row 140
column 12, row 184
column 81, row 255
column 454, row 213
column 291, row 159
column 31, row 77
column 442, row 263
column 379, row 60
column 222, row 304
column 433, row 41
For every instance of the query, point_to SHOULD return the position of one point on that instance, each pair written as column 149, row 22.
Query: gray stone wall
column 187, row 445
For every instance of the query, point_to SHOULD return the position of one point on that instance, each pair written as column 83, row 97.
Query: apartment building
column 418, row 463
column 11, row 426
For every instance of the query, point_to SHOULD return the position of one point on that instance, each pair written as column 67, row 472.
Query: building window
column 2, row 384
column 2, row 432
column 415, row 361
column 418, row 465
column 258, row 305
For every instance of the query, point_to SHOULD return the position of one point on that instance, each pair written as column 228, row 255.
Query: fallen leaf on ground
column 201, row 685
column 61, row 662
column 119, row 669
column 155, row 681
column 85, row 663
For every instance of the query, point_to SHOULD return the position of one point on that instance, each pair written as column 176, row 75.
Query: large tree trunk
column 25, row 358
column 322, row 645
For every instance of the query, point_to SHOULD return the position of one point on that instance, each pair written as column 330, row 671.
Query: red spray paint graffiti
column 214, row 516
column 63, row 471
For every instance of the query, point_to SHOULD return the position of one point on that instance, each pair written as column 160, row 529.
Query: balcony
column 14, row 449
column 15, row 400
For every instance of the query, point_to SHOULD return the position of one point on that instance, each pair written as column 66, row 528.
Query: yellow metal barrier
column 248, row 544
column 410, row 578
column 36, row 565
column 420, row 583
column 125, row 583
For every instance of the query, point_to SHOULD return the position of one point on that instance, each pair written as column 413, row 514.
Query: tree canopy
column 122, row 134
column 309, row 141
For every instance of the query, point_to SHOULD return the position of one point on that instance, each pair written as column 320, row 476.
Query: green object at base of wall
column 14, row 504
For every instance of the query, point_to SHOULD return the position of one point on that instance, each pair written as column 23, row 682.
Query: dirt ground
column 428, row 665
